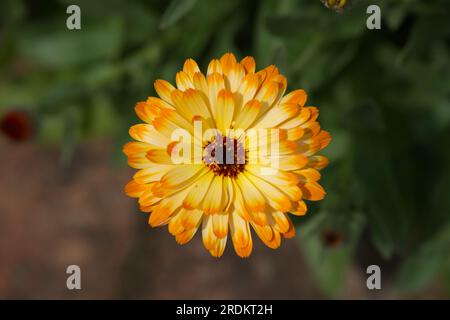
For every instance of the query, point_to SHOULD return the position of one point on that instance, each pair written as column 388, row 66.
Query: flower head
column 337, row 5
column 226, row 152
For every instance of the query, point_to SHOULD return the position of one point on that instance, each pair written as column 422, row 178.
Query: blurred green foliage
column 383, row 94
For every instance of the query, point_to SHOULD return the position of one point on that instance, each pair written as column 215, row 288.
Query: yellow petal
column 138, row 161
column 308, row 148
column 276, row 115
column 183, row 81
column 215, row 85
column 200, row 83
column 219, row 247
column 168, row 121
column 265, row 233
column 163, row 89
column 258, row 217
column 293, row 192
column 314, row 113
column 214, row 67
column 220, row 224
column 134, row 189
column 229, row 193
column 317, row 162
column 291, row 232
column 159, row 156
column 249, row 64
column 192, row 219
column 233, row 72
column 247, row 89
column 136, row 148
column 299, row 208
column 267, row 74
column 185, row 236
column 267, row 148
column 151, row 174
column 213, row 202
column 282, row 84
column 267, row 95
column 190, row 67
column 298, row 120
column 324, row 138
column 208, row 236
column 157, row 190
column 181, row 175
column 197, row 194
column 148, row 198
column 247, row 115
column 239, row 203
column 191, row 104
column 275, row 242
column 285, row 162
column 240, row 230
column 228, row 62
column 166, row 208
column 158, row 104
column 145, row 111
column 281, row 221
column 175, row 226
column 311, row 130
column 308, row 174
column 253, row 198
column 297, row 97
column 292, row 162
column 280, row 178
column 147, row 133
column 295, row 133
column 313, row 191
column 276, row 199
column 245, row 251
column 224, row 110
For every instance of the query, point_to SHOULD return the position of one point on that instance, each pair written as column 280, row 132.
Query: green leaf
column 374, row 171
column 11, row 11
column 446, row 277
column 175, row 11
column 287, row 25
column 420, row 268
column 310, row 21
column 102, row 115
column 329, row 265
column 51, row 45
column 280, row 58
column 396, row 15
column 51, row 129
column 71, row 116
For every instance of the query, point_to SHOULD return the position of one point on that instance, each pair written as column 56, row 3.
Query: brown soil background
column 51, row 218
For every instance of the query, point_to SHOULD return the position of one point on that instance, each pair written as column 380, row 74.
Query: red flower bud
column 332, row 239
column 17, row 125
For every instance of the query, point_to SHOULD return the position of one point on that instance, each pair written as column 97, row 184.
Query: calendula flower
column 226, row 152
column 338, row 5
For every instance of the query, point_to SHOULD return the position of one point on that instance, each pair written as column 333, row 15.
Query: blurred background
column 67, row 100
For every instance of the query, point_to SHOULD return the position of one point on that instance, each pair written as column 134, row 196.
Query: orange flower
column 338, row 5
column 206, row 155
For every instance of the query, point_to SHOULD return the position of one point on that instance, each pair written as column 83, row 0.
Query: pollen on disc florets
column 231, row 159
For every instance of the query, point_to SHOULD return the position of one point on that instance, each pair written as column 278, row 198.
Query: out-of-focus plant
column 383, row 94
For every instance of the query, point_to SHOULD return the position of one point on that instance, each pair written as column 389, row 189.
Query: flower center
column 225, row 156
